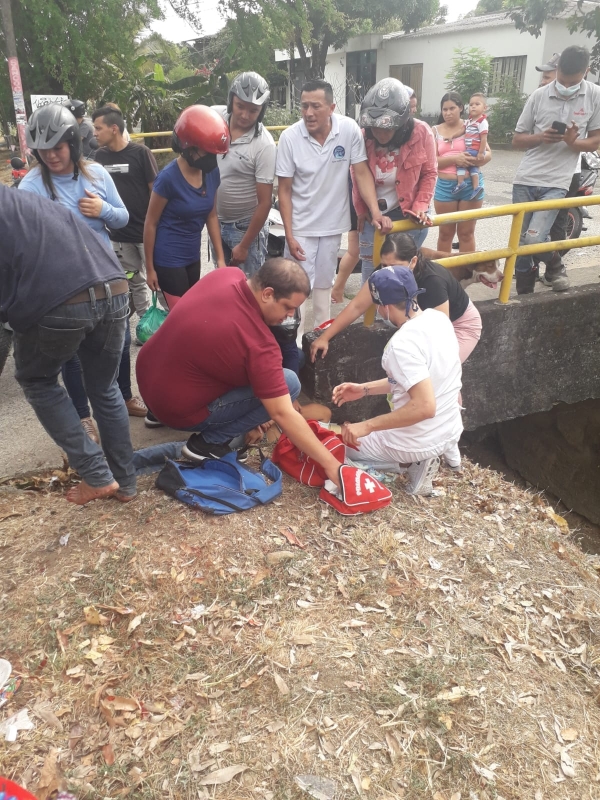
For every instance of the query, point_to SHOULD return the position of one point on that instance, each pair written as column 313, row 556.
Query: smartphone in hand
column 559, row 127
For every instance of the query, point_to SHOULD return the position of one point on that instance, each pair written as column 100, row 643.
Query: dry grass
column 442, row 648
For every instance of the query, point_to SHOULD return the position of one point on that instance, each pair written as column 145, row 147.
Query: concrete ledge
column 534, row 353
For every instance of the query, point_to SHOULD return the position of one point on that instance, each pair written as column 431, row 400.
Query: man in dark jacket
column 63, row 292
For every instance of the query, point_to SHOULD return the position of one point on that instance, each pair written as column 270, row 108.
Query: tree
column 470, row 72
column 486, row 7
column 77, row 47
column 308, row 28
column 506, row 111
column 529, row 16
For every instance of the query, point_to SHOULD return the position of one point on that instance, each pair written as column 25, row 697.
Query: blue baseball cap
column 390, row 286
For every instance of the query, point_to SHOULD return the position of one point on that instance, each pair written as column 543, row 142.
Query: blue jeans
column 536, row 224
column 365, row 243
column 237, row 412
column 232, row 234
column 73, row 378
column 96, row 333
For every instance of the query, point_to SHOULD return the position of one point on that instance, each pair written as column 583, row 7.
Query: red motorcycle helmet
column 200, row 126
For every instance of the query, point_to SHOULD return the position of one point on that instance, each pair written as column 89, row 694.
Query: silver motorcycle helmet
column 250, row 87
column 386, row 105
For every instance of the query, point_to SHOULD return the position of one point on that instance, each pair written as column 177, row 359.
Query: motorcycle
column 276, row 240
column 19, row 170
column 590, row 166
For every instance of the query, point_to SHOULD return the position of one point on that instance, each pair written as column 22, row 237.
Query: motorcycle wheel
column 5, row 343
column 574, row 225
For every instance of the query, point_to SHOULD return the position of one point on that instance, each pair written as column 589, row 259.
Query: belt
column 98, row 292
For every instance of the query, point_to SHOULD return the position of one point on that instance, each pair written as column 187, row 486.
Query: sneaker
column 420, row 475
column 136, row 407
column 88, row 426
column 458, row 188
column 150, row 421
column 197, row 449
column 526, row 281
column 477, row 193
column 557, row 279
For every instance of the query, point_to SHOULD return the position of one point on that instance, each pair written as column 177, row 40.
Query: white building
column 423, row 59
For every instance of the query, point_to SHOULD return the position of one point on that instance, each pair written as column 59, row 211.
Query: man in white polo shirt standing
column 559, row 122
column 313, row 162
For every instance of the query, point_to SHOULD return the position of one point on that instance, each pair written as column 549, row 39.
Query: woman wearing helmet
column 183, row 200
column 87, row 189
column 401, row 155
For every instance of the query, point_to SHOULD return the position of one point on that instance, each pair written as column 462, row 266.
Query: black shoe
column 526, row 281
column 197, row 449
column 150, row 421
column 556, row 277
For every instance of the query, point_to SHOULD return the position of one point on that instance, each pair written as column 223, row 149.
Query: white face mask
column 568, row 91
column 387, row 321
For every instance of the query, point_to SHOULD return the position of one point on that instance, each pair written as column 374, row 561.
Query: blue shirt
column 182, row 220
column 70, row 192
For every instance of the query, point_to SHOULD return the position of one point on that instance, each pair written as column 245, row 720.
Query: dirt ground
column 443, row 648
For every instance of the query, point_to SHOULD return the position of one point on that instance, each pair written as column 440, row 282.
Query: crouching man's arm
column 420, row 406
column 281, row 411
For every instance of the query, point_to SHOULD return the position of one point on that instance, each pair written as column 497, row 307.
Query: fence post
column 509, row 264
column 369, row 315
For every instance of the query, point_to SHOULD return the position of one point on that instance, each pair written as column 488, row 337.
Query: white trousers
column 321, row 254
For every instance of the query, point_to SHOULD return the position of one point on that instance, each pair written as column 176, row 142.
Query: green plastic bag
column 150, row 322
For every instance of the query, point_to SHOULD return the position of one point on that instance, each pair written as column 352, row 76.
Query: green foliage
column 279, row 115
column 308, row 28
column 487, row 7
column 506, row 111
column 470, row 72
column 530, row 15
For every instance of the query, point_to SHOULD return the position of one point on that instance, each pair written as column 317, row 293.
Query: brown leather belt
column 116, row 287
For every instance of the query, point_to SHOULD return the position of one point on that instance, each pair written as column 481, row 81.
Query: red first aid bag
column 302, row 467
column 361, row 493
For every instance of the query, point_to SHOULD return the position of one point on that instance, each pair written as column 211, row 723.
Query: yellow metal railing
column 153, row 134
column 514, row 249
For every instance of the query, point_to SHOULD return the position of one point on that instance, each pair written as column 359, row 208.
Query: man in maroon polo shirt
column 214, row 367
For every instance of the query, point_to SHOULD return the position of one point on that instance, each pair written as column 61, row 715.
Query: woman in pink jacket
column 402, row 157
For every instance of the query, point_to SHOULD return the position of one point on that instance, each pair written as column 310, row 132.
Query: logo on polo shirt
column 339, row 152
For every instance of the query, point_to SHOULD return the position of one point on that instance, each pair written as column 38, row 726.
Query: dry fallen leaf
column 569, row 734
column 92, row 615
column 261, row 574
column 135, row 622
column 108, row 754
column 303, row 639
column 560, row 521
column 224, row 775
column 278, row 557
column 281, row 684
column 50, row 777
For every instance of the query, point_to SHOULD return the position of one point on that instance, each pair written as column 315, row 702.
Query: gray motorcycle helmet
column 76, row 107
column 251, row 88
column 386, row 105
column 50, row 125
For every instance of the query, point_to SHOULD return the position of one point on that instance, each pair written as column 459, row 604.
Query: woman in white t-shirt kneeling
column 423, row 380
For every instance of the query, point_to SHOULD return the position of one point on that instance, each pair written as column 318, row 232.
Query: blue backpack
column 221, row 485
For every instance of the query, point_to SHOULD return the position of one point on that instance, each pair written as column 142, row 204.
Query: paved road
column 25, row 446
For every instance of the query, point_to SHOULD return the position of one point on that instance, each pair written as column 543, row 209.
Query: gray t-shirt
column 250, row 160
column 553, row 165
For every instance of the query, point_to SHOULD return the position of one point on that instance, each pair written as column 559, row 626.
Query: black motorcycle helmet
column 387, row 106
column 51, row 125
column 76, row 107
